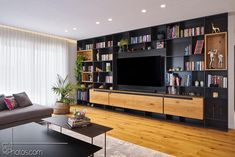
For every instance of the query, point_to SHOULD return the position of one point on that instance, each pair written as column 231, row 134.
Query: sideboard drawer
column 183, row 107
column 98, row 97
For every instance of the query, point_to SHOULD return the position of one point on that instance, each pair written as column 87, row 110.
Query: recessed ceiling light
column 66, row 31
column 97, row 23
column 163, row 6
column 74, row 28
column 143, row 10
column 110, row 19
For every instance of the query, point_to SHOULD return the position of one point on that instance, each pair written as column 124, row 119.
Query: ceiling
column 56, row 16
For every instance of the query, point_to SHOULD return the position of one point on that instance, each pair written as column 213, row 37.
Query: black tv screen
column 141, row 71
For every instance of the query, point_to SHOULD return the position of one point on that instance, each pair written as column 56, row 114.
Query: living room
column 120, row 78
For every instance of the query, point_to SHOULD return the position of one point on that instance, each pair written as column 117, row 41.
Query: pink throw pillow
column 10, row 103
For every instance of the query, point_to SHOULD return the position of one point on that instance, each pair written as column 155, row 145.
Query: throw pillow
column 22, row 99
column 2, row 103
column 10, row 103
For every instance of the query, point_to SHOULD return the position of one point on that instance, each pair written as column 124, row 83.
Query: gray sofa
column 22, row 115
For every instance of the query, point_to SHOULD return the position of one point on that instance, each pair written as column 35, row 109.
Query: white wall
column 231, row 43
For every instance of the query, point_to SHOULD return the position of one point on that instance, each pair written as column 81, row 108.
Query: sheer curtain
column 30, row 62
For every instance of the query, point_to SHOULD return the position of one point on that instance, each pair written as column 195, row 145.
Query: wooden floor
column 164, row 136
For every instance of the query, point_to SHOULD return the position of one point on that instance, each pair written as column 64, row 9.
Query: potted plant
column 123, row 45
column 64, row 90
column 78, row 72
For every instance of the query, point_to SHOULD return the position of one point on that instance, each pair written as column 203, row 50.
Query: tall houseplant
column 78, row 72
column 64, row 90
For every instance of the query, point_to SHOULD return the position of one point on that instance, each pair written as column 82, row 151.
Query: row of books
column 88, row 68
column 188, row 32
column 141, row 39
column 188, row 50
column 175, row 80
column 78, row 122
column 109, row 79
column 199, row 47
column 173, row 32
column 108, row 67
column 83, row 95
column 194, row 66
column 110, row 43
column 100, row 45
column 217, row 81
column 89, row 46
column 106, row 57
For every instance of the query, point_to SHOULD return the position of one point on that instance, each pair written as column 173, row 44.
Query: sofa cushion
column 2, row 103
column 24, row 113
column 10, row 102
column 22, row 99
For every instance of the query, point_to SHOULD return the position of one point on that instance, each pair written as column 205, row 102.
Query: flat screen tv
column 141, row 71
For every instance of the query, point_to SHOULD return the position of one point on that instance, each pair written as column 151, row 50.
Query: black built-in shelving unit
column 216, row 109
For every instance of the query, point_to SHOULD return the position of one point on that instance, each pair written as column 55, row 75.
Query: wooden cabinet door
column 137, row 102
column 118, row 100
column 192, row 108
column 146, row 103
column 99, row 97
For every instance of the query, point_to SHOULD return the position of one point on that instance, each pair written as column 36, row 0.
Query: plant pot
column 61, row 108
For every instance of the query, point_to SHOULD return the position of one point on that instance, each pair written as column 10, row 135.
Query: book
column 199, row 47
column 78, row 122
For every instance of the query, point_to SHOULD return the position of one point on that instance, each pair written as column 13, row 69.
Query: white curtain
column 30, row 63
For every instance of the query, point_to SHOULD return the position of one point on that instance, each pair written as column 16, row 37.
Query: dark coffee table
column 90, row 131
column 42, row 142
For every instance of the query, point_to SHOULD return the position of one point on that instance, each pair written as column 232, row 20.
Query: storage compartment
column 99, row 97
column 137, row 102
column 190, row 108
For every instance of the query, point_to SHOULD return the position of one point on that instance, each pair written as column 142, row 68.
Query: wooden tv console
column 183, row 106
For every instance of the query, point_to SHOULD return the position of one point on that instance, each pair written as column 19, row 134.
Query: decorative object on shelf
column 123, row 45
column 196, row 83
column 215, row 29
column 79, row 114
column 220, row 59
column 160, row 44
column 216, row 51
column 212, row 54
column 97, row 56
column 101, row 86
column 215, row 94
column 202, row 83
column 98, row 69
column 65, row 91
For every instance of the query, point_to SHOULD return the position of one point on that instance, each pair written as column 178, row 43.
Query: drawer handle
column 177, row 102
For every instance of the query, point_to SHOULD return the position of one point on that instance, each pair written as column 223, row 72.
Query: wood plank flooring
column 164, row 136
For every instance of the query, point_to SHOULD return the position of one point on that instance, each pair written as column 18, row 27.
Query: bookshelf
column 184, row 46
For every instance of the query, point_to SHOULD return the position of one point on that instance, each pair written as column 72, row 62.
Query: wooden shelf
column 217, row 42
column 173, row 53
